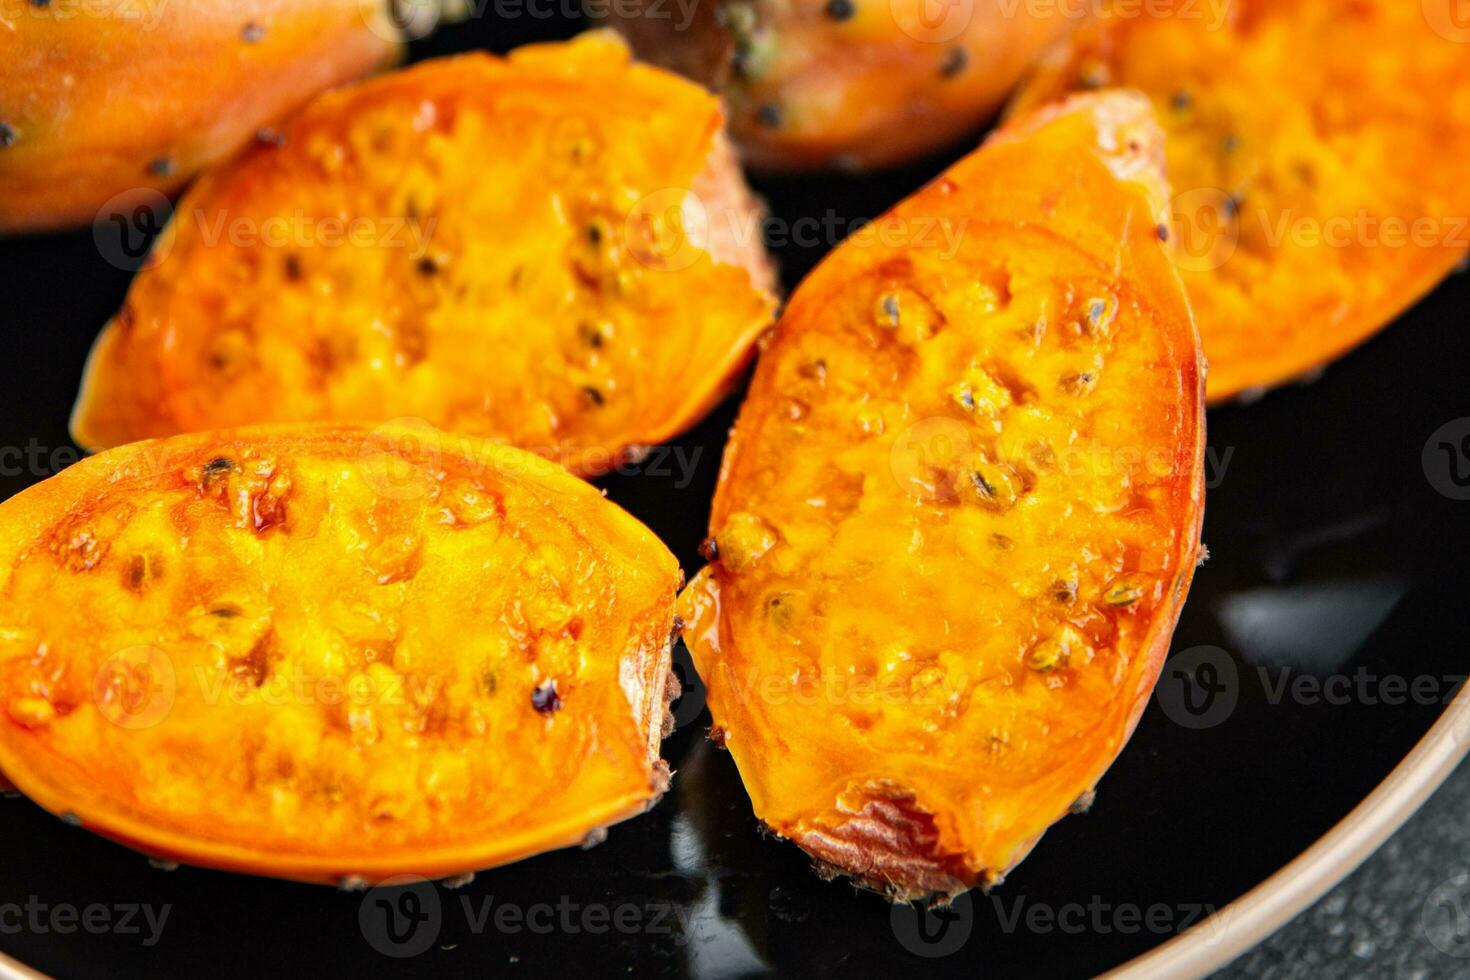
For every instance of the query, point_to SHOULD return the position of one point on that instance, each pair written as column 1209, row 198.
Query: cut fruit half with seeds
column 930, row 624
column 553, row 249
column 332, row 653
column 1315, row 149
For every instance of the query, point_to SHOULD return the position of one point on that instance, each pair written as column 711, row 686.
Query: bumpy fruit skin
column 1314, row 147
column 960, row 511
column 332, row 654
column 553, row 249
column 101, row 99
column 853, row 84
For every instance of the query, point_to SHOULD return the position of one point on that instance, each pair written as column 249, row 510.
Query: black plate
column 1337, row 552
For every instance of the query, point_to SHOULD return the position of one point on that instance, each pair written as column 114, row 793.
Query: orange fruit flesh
column 332, row 654
column 960, row 511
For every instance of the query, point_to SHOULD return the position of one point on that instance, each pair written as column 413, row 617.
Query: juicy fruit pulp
column 524, row 260
column 960, row 511
column 332, row 653
column 1314, row 149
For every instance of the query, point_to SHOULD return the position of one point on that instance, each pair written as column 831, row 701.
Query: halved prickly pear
column 960, row 511
column 1314, row 148
column 553, row 249
column 332, row 653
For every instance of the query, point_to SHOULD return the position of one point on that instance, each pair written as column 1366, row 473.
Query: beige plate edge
column 1253, row 917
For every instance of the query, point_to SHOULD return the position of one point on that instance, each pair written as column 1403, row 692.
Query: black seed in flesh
column 954, row 63
column 545, row 699
column 840, row 10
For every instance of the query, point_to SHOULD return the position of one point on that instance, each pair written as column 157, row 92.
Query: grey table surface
column 1404, row 913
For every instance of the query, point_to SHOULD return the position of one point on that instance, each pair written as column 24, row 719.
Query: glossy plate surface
column 1311, row 658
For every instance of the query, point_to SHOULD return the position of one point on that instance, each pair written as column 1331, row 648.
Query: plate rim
column 1240, row 926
